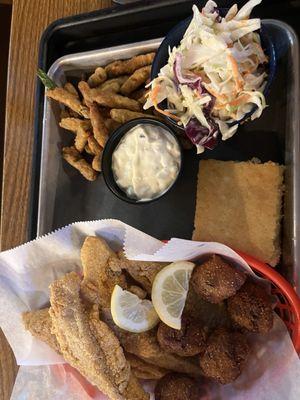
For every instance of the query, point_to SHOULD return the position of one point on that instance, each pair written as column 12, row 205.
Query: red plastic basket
column 288, row 306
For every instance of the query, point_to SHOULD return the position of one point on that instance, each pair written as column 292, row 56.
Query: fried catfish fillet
column 146, row 347
column 144, row 370
column 39, row 324
column 99, row 275
column 87, row 343
column 142, row 272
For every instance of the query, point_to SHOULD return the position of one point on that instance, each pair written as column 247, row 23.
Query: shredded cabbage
column 212, row 79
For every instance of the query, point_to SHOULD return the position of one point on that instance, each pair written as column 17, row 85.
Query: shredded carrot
column 234, row 103
column 153, row 95
column 235, row 72
column 240, row 100
column 217, row 95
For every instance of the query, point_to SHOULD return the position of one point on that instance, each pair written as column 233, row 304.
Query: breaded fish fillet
column 87, row 343
column 39, row 324
column 144, row 370
column 146, row 347
column 99, row 278
column 142, row 272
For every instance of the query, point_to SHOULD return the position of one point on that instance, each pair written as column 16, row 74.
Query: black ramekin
column 113, row 142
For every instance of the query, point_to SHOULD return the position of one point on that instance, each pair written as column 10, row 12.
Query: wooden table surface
column 29, row 20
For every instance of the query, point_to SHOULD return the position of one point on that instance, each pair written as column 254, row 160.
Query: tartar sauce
column 146, row 162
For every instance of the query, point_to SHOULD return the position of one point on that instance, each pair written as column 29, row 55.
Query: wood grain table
column 29, row 19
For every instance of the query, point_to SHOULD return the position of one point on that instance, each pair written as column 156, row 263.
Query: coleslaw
column 215, row 76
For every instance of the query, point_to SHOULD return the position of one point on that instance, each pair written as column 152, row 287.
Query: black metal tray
column 173, row 215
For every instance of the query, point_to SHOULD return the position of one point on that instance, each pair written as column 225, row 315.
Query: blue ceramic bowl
column 173, row 39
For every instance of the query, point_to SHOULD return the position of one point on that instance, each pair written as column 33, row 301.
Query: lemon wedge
column 169, row 291
column 131, row 313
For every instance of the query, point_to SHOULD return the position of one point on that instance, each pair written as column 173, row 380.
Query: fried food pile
column 110, row 96
column 79, row 326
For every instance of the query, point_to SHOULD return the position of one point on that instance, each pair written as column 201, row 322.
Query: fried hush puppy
column 215, row 280
column 251, row 309
column 185, row 342
column 225, row 354
column 177, row 387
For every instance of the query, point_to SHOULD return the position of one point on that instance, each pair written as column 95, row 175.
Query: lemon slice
column 131, row 313
column 169, row 291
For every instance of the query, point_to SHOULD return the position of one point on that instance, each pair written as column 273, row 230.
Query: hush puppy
column 187, row 341
column 225, row 354
column 250, row 308
column 177, row 387
column 215, row 280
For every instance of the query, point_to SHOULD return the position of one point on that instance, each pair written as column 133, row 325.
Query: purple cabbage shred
column 198, row 134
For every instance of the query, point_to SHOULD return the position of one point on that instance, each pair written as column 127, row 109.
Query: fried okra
column 215, row 280
column 74, row 158
column 251, row 308
column 187, row 341
column 225, row 354
column 177, row 387
column 126, row 67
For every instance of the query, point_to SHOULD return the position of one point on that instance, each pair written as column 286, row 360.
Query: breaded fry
column 99, row 278
column 139, row 292
column 137, row 94
column 99, row 127
column 142, row 272
column 117, row 68
column 74, row 158
column 98, row 77
column 94, row 146
column 111, row 125
column 136, row 80
column 145, row 346
column 134, row 390
column 71, row 89
column 107, row 99
column 110, row 86
column 144, row 370
column 88, row 150
column 65, row 113
column 87, row 343
column 96, row 163
column 68, row 99
column 116, row 361
column 122, row 115
column 119, row 80
column 81, row 140
column 39, row 324
column 80, row 127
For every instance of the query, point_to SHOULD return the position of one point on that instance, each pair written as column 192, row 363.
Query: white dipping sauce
column 146, row 162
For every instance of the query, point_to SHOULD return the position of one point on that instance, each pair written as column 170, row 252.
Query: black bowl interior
column 109, row 148
column 173, row 39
